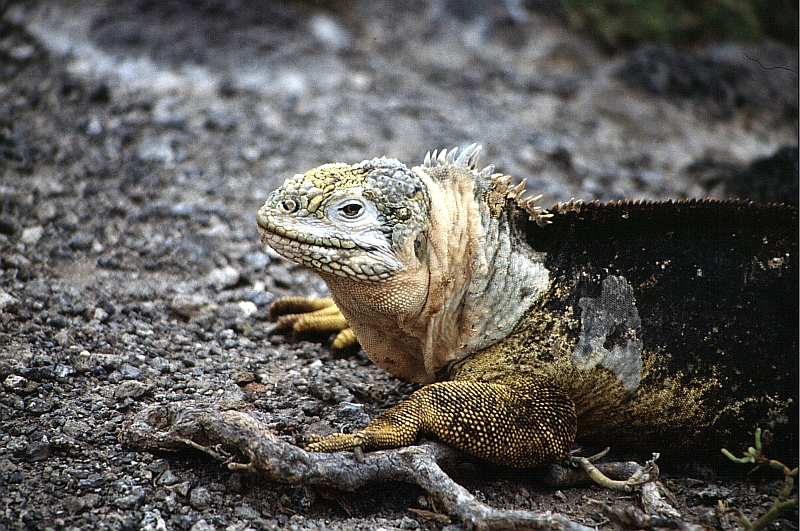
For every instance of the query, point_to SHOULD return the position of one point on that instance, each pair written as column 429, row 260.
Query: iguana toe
column 304, row 316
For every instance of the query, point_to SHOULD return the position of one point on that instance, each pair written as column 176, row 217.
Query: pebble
column 408, row 523
column 224, row 277
column 129, row 372
column 189, row 306
column 153, row 521
column 92, row 481
column 75, row 428
column 131, row 389
column 200, row 498
column 202, row 525
column 9, row 225
column 7, row 300
column 38, row 406
column 167, row 478
column 22, row 52
column 32, row 235
column 259, row 297
column 247, row 308
column 38, row 450
column 183, row 488
column 81, row 241
column 14, row 382
column 350, row 412
column 132, row 500
column 38, row 289
column 156, row 149
column 330, row 32
column 712, row 495
column 246, row 512
column 63, row 371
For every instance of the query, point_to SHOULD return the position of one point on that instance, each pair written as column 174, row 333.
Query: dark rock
column 9, row 225
column 38, row 406
column 132, row 500
column 200, row 498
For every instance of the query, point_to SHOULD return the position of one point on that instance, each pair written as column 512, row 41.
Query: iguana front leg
column 303, row 315
column 528, row 423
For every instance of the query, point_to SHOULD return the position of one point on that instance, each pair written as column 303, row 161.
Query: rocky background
column 139, row 138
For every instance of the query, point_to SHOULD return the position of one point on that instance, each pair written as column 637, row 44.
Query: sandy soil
column 137, row 141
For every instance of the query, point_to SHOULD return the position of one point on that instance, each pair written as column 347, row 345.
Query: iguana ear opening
column 421, row 247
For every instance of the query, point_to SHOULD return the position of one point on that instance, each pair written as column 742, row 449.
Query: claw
column 305, row 316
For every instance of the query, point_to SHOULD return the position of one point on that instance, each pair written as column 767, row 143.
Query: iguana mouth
column 291, row 235
column 324, row 254
column 267, row 225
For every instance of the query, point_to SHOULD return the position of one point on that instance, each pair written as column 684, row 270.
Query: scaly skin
column 628, row 323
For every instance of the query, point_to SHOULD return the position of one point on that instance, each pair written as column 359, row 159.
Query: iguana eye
column 287, row 206
column 351, row 210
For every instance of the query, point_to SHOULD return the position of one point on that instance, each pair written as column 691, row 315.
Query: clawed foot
column 338, row 442
column 305, row 316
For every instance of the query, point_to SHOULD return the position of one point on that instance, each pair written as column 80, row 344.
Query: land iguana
column 673, row 324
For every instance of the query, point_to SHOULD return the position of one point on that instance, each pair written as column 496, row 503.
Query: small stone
column 243, row 377
column 131, row 388
column 92, row 500
column 259, row 297
column 6, row 301
column 189, row 306
column 153, row 521
column 74, row 505
column 38, row 450
column 9, row 225
column 250, row 153
column 167, row 478
column 200, row 498
column 63, row 371
column 247, row 308
column 129, row 372
column 330, row 32
column 38, row 406
column 246, row 512
column 38, row 289
column 408, row 523
column 81, row 241
column 183, row 488
column 257, row 260
column 14, row 382
column 32, row 235
column 712, row 495
column 63, row 339
column 132, row 500
column 202, row 525
column 22, row 52
column 341, row 394
column 224, row 277
column 100, row 315
column 156, row 149
column 92, row 481
column 75, row 428
column 351, row 412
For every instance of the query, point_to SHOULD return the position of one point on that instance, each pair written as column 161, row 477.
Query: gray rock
column 200, row 498
column 132, row 500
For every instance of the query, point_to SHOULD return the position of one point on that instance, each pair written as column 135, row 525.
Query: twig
column 211, row 427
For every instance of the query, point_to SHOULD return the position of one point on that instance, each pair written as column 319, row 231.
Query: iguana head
column 357, row 221
column 423, row 262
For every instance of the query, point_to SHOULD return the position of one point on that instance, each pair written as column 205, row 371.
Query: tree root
column 241, row 439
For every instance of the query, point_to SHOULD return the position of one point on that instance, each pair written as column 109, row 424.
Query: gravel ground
column 137, row 141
